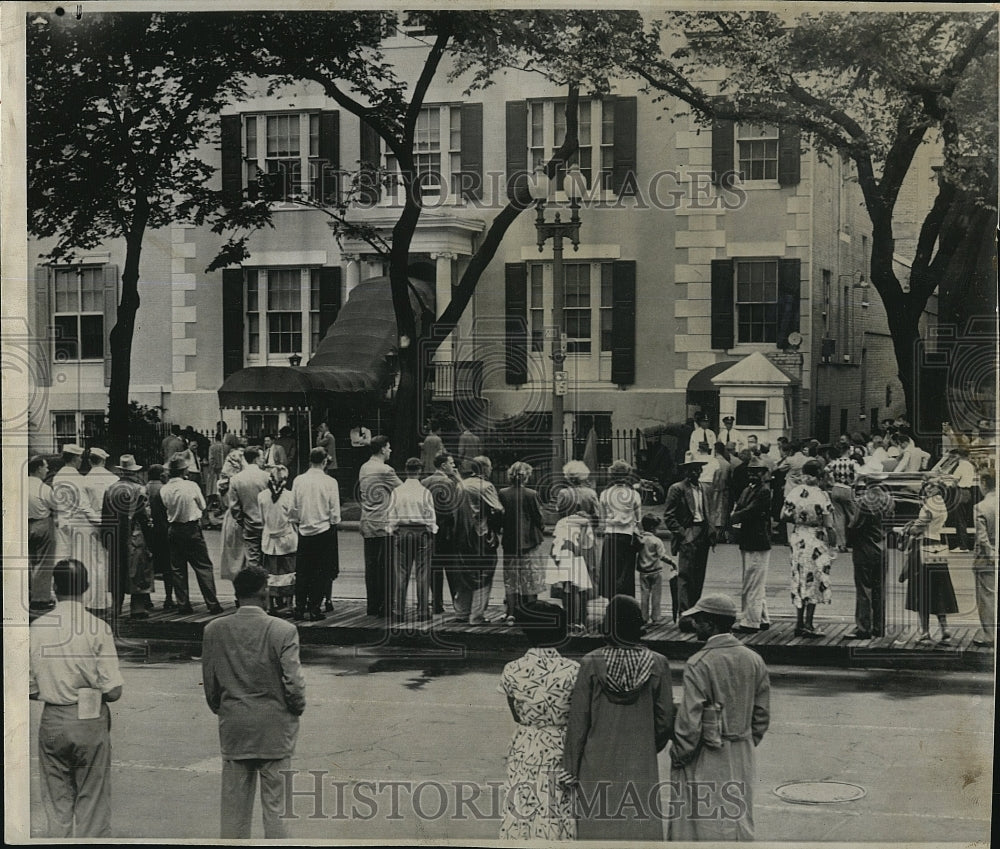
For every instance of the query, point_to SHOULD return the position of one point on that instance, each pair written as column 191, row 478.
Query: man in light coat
column 244, row 488
column 724, row 713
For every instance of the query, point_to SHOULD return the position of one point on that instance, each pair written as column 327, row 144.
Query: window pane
column 607, row 122
column 251, row 126
column 93, row 423
column 606, row 316
column 536, row 286
column 284, row 332
column 560, row 123
column 455, row 113
column 537, row 331
column 253, row 333
column 607, row 284
column 91, row 337
column 584, row 120
column 91, row 290
column 284, row 289
column 66, row 337
column 252, row 291
column 314, row 134
column 577, row 323
column 751, row 413
column 314, row 289
column 66, row 292
column 537, row 125
column 64, row 426
column 314, row 338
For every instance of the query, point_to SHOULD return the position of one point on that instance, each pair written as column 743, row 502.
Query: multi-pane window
column 596, row 124
column 78, row 313
column 71, row 426
column 757, row 300
column 576, row 311
column 282, row 312
column 587, row 306
column 757, row 150
column 437, row 153
column 285, row 148
column 751, row 413
column 255, row 425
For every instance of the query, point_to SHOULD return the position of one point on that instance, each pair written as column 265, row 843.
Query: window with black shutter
column 789, row 296
column 369, row 187
column 789, row 155
column 517, row 153
column 516, row 290
column 471, row 132
column 623, row 323
column 232, row 320
column 723, row 304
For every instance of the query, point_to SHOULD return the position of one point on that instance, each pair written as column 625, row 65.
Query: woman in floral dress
column 537, row 799
column 809, row 512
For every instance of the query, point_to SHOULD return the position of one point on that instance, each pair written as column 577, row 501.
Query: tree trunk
column 121, row 338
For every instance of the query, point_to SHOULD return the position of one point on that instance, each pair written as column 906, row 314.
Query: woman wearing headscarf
column 577, row 495
column 929, row 588
column 811, row 541
column 233, row 556
column 523, row 534
column 621, row 715
column 279, row 540
column 538, row 802
column 621, row 509
column 573, row 563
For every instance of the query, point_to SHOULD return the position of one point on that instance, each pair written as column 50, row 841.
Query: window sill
column 758, row 185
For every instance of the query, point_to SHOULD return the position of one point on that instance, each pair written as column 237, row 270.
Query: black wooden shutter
column 723, row 304
column 789, row 293
column 232, row 320
column 623, row 322
column 516, row 280
column 624, row 167
column 789, row 155
column 371, row 162
column 232, row 158
column 110, row 274
column 723, row 150
column 472, row 150
column 329, row 298
column 329, row 153
column 41, row 350
column 517, row 144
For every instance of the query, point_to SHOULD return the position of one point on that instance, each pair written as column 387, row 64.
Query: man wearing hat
column 702, row 438
column 41, row 535
column 95, row 484
column 74, row 519
column 686, row 516
column 752, row 513
column 127, row 534
column 729, row 436
column 73, row 669
column 723, row 714
column 185, row 504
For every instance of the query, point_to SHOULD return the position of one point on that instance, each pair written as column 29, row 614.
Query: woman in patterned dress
column 811, row 542
column 522, row 540
column 538, row 801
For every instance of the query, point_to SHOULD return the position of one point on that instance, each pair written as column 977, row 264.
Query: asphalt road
column 919, row 745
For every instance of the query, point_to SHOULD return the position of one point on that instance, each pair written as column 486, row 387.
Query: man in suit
column 253, row 683
column 244, row 488
column 274, row 454
column 752, row 513
column 444, row 486
column 686, row 515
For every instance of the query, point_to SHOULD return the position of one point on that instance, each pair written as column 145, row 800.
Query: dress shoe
column 148, row 604
column 328, row 606
column 184, row 610
column 744, row 629
column 856, row 635
column 438, row 609
column 169, row 604
column 764, row 626
column 140, row 614
column 315, row 615
column 480, row 621
column 982, row 643
column 215, row 609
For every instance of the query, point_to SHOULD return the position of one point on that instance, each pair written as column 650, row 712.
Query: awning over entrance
column 352, row 359
column 702, row 381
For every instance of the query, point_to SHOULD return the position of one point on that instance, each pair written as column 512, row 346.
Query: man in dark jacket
column 872, row 507
column 126, row 533
column 687, row 516
column 752, row 513
column 443, row 485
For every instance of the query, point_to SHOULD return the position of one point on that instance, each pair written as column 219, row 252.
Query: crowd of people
column 98, row 538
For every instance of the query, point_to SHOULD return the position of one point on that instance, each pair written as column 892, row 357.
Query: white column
column 353, row 276
column 444, row 378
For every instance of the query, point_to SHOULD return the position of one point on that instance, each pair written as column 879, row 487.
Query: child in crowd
column 649, row 559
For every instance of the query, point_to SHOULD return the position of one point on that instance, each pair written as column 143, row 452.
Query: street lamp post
column 557, row 230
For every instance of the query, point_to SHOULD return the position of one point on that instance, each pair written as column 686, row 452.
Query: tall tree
column 873, row 87
column 568, row 48
column 117, row 108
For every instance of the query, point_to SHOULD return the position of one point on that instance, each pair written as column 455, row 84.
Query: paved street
column 723, row 575
column 919, row 745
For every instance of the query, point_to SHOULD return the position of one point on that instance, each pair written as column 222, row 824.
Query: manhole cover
column 819, row 792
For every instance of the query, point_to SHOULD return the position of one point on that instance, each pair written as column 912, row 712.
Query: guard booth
column 352, row 374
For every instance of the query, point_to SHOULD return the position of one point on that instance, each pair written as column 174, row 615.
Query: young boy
column 649, row 558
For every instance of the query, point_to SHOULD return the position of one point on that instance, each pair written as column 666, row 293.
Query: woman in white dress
column 233, row 556
column 279, row 540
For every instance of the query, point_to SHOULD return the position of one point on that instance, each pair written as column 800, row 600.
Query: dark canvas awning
column 702, row 381
column 352, row 359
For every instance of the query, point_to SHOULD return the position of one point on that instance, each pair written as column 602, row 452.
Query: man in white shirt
column 412, row 523
column 73, row 669
column 244, row 487
column 702, row 437
column 733, row 439
column 95, row 484
column 376, row 480
column 961, row 513
column 41, row 539
column 316, row 512
column 75, row 520
column 184, row 503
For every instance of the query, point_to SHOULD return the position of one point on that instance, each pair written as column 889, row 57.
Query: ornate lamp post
column 557, row 230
